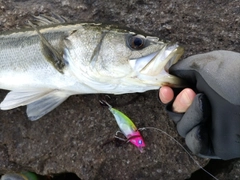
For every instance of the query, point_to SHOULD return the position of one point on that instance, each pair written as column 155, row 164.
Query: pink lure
column 128, row 128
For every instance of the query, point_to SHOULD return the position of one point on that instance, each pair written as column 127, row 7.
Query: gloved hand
column 211, row 125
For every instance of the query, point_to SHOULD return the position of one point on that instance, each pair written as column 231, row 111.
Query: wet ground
column 71, row 138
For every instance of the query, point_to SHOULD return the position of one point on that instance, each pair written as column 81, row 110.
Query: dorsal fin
column 44, row 20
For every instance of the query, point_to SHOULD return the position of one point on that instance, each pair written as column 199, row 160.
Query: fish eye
column 136, row 43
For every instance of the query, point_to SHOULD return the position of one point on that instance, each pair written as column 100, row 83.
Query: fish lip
column 177, row 53
column 154, row 63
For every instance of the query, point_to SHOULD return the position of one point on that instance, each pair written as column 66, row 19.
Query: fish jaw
column 153, row 69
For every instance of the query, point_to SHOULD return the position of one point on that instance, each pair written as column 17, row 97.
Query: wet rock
column 73, row 137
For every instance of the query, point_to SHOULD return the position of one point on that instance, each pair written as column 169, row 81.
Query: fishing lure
column 133, row 135
column 127, row 127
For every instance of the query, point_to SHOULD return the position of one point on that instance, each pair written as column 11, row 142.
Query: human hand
column 183, row 100
column 211, row 122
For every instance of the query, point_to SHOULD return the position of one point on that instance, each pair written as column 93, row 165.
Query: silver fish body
column 43, row 67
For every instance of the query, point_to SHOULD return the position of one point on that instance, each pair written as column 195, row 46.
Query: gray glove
column 211, row 125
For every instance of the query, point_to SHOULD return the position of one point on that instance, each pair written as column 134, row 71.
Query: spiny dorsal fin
column 44, row 20
column 51, row 54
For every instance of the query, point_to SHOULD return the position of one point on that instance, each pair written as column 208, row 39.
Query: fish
column 43, row 65
column 20, row 176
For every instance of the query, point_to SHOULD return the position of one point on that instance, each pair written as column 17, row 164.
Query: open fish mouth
column 154, row 63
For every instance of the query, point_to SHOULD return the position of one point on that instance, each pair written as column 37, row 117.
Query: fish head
column 128, row 61
column 138, row 142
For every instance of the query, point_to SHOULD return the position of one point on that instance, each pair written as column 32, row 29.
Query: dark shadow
column 66, row 176
column 62, row 176
column 215, row 166
column 111, row 99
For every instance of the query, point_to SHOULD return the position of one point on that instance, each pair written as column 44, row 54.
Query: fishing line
column 172, row 138
column 129, row 130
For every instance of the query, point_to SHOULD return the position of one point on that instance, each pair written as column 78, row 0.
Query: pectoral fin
column 39, row 101
column 52, row 55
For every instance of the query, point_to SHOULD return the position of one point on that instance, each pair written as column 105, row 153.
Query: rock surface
column 71, row 138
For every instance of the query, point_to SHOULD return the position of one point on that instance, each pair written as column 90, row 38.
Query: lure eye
column 136, row 43
column 139, row 141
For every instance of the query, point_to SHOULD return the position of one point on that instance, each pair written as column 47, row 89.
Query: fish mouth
column 153, row 69
column 154, row 63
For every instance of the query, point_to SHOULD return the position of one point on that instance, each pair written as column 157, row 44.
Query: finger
column 197, row 140
column 183, row 100
column 166, row 94
column 197, row 113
